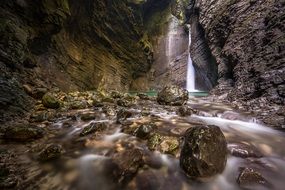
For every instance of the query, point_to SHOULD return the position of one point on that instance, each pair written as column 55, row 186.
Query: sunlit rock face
column 70, row 45
column 247, row 39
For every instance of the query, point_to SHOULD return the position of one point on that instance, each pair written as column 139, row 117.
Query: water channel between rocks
column 88, row 161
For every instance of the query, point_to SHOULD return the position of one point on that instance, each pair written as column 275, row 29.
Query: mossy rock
column 163, row 144
column 50, row 101
column 23, row 132
column 154, row 140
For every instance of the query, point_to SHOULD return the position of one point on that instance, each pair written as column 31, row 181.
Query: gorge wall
column 168, row 30
column 68, row 45
column 247, row 39
column 237, row 46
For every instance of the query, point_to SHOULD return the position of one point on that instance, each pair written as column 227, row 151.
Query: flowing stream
column 88, row 162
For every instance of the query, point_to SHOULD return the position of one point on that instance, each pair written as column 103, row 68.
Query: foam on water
column 115, row 136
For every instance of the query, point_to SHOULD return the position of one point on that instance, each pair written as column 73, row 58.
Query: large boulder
column 172, row 95
column 204, row 151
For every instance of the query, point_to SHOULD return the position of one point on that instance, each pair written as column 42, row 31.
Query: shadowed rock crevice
column 204, row 62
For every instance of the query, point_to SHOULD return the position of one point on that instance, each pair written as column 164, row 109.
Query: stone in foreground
column 250, row 178
column 127, row 164
column 172, row 95
column 204, row 152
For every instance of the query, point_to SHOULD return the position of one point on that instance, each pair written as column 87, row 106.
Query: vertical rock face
column 71, row 45
column 170, row 44
column 205, row 64
column 169, row 36
column 247, row 39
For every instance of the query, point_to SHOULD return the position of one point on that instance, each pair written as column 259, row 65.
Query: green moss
column 50, row 101
column 154, row 140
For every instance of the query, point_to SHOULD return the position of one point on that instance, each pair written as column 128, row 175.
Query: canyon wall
column 247, row 40
column 68, row 45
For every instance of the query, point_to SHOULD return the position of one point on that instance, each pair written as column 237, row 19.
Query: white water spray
column 190, row 82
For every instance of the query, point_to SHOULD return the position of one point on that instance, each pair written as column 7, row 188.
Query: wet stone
column 92, row 128
column 51, row 152
column 169, row 145
column 41, row 116
column 109, row 110
column 148, row 180
column 116, row 94
column 143, row 96
column 123, row 114
column 67, row 124
column 23, row 132
column 78, row 104
column 153, row 141
column 204, row 151
column 143, row 131
column 172, row 95
column 243, row 151
column 185, row 111
column 50, row 101
column 250, row 178
column 163, row 144
column 127, row 164
column 97, row 102
column 87, row 116
column 124, row 103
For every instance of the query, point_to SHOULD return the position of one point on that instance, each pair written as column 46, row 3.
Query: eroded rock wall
column 70, row 45
column 247, row 39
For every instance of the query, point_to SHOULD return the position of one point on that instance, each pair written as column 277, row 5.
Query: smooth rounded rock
column 50, row 101
column 172, row 95
column 204, row 152
column 144, row 131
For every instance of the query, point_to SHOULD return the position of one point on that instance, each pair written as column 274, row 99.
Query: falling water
column 190, row 70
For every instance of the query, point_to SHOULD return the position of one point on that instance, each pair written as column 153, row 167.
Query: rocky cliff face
column 168, row 29
column 69, row 45
column 247, row 39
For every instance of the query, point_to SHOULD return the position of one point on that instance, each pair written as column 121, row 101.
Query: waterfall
column 190, row 81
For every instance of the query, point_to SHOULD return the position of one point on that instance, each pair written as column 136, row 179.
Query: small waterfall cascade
column 190, row 81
